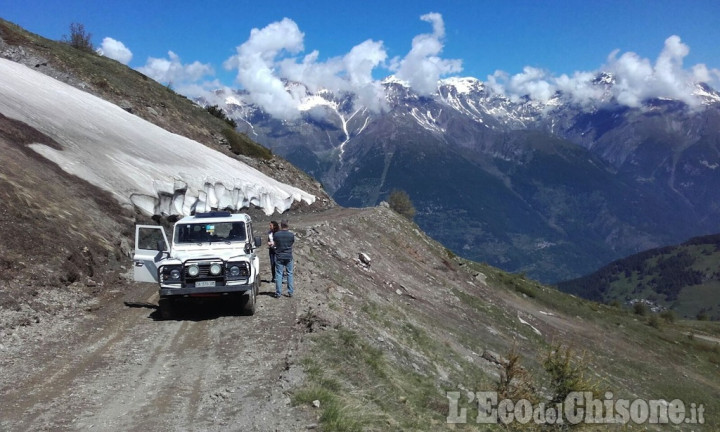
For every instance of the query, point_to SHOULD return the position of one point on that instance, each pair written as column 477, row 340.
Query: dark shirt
column 284, row 240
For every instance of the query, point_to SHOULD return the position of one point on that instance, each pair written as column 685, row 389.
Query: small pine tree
column 400, row 202
column 79, row 38
column 567, row 374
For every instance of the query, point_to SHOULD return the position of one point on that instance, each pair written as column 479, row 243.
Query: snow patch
column 313, row 101
column 232, row 100
column 709, row 165
column 141, row 164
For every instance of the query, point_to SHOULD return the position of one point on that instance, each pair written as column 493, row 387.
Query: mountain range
column 554, row 189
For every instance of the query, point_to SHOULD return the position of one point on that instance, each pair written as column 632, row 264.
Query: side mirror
column 258, row 241
column 161, row 247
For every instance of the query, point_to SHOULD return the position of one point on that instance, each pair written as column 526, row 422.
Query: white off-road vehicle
column 211, row 255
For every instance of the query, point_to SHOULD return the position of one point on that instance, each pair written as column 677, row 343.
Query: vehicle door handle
column 139, row 264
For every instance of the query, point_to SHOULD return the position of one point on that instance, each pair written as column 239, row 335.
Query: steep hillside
column 147, row 99
column 366, row 344
column 684, row 278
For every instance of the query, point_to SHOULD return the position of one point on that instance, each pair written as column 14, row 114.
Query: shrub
column 400, row 202
column 654, row 321
column 640, row 309
column 668, row 316
column 79, row 38
column 219, row 113
column 515, row 382
column 568, row 373
column 242, row 145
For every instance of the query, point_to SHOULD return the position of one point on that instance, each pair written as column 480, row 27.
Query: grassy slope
column 390, row 340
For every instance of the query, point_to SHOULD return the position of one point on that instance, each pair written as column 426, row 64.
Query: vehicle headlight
column 174, row 274
column 215, row 269
column 234, row 271
column 193, row 270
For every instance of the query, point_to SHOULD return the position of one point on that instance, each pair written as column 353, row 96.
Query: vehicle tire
column 249, row 300
column 166, row 308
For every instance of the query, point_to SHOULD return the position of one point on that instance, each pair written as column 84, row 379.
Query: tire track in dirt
column 30, row 401
column 210, row 371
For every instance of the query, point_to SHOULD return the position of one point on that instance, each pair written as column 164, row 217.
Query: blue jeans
column 280, row 266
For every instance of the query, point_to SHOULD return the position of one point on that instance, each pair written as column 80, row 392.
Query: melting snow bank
column 141, row 164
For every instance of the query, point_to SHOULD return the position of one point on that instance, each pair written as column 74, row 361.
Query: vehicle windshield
column 210, row 232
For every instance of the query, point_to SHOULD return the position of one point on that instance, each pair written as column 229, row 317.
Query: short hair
column 284, row 223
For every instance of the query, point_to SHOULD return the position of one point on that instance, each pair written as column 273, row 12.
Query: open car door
column 151, row 247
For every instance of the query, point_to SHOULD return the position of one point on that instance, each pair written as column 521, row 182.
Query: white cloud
column 274, row 56
column 172, row 71
column 271, row 55
column 636, row 79
column 115, row 50
column 532, row 82
column 255, row 61
column 581, row 88
column 421, row 67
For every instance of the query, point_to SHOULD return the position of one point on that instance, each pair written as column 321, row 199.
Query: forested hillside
column 683, row 278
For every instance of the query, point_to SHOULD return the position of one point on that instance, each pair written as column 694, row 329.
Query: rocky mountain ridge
column 596, row 180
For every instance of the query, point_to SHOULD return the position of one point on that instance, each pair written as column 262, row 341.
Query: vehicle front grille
column 204, row 273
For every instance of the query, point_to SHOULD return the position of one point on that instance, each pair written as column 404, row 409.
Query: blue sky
column 465, row 37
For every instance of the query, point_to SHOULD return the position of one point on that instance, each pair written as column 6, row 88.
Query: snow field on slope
column 141, row 164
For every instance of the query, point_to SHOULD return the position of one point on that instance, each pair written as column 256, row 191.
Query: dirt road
column 121, row 368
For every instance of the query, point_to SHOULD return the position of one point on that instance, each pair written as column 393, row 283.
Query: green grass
column 241, row 144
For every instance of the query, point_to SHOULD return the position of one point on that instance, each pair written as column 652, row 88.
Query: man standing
column 284, row 240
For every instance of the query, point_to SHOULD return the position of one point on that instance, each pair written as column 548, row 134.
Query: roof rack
column 213, row 214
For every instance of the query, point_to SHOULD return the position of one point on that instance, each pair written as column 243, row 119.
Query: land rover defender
column 211, row 255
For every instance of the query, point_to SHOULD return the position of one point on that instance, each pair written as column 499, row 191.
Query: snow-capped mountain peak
column 465, row 85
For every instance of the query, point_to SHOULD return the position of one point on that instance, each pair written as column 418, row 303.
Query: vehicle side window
column 237, row 233
column 148, row 239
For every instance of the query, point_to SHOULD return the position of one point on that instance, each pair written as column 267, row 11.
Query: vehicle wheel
column 167, row 308
column 249, row 300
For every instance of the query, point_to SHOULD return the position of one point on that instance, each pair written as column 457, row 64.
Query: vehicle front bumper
column 190, row 291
